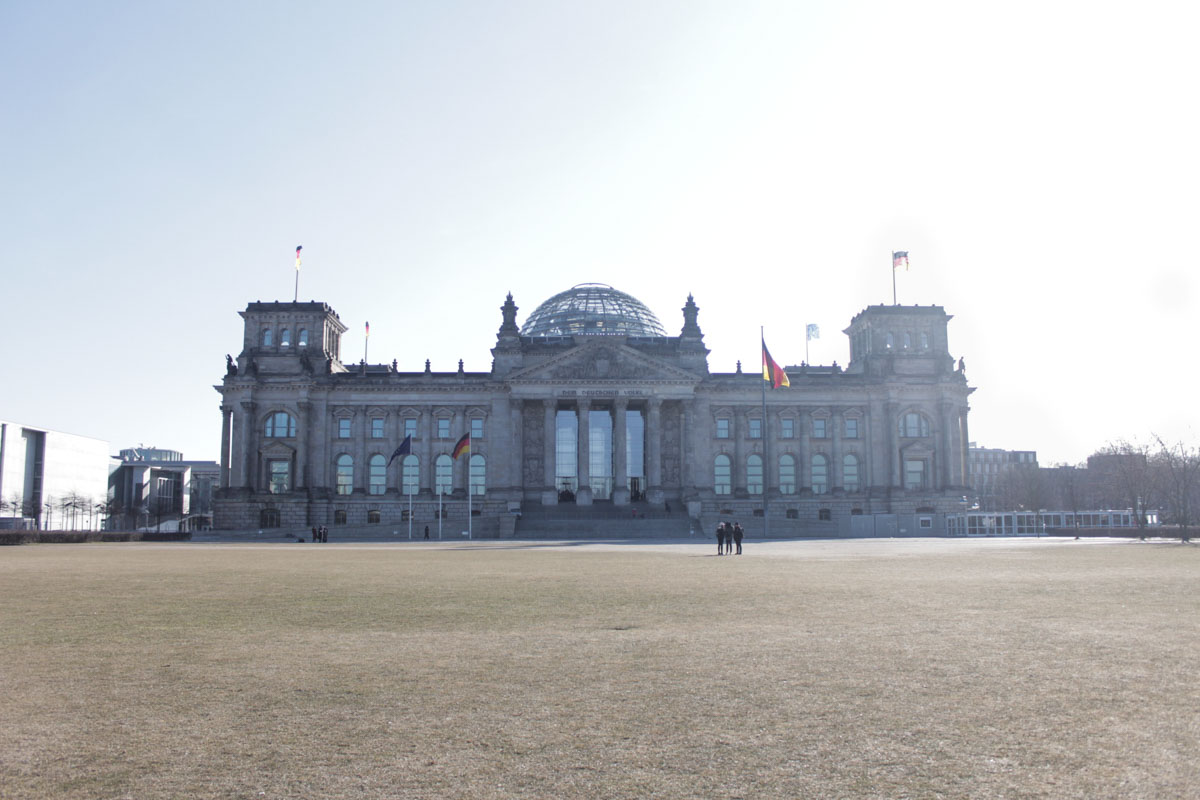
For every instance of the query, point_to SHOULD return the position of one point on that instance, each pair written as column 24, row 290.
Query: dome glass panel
column 592, row 309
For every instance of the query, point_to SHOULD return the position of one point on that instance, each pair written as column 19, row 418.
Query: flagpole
column 765, row 439
column 894, row 277
column 439, row 513
column 409, row 504
column 366, row 341
column 296, row 296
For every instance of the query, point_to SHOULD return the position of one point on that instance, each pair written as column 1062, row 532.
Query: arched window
column 722, row 479
column 913, row 425
column 345, row 474
column 787, row 474
column 285, row 338
column 889, row 341
column 410, row 475
column 443, row 474
column 478, row 475
column 280, row 425
column 850, row 473
column 373, row 517
column 339, row 516
column 820, row 474
column 907, row 341
column 377, row 474
column 267, row 338
column 924, row 340
column 302, row 338
column 754, row 474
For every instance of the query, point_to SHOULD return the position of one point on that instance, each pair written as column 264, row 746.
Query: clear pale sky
column 1038, row 160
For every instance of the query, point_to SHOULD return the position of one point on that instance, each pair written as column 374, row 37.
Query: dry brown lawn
column 1040, row 669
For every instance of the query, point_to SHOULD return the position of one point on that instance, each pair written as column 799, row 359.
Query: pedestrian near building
column 737, row 536
column 721, row 539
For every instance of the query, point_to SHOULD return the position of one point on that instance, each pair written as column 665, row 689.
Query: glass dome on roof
column 593, row 309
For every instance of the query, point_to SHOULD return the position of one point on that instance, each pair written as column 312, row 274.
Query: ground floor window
column 268, row 518
column 914, row 473
column 372, row 517
column 279, row 474
column 339, row 517
column 722, row 479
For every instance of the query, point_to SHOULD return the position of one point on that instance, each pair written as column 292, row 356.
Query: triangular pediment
column 602, row 360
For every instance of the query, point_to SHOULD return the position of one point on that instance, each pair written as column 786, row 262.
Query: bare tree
column 1066, row 489
column 1126, row 476
column 1178, row 470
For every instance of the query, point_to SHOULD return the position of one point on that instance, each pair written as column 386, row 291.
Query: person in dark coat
column 721, row 539
column 737, row 536
column 426, row 531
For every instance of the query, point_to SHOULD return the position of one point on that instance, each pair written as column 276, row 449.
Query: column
column 945, row 445
column 891, row 409
column 620, row 493
column 549, row 489
column 303, row 436
column 836, row 482
column 516, row 446
column 226, row 419
column 359, row 430
column 654, row 489
column 739, row 433
column 804, row 467
column 426, row 472
column 583, row 497
column 249, row 460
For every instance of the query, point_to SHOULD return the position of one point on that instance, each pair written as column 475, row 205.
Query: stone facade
column 587, row 418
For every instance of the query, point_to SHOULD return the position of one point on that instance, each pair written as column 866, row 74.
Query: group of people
column 320, row 534
column 728, row 535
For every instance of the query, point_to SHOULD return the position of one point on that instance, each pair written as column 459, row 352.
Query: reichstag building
column 591, row 401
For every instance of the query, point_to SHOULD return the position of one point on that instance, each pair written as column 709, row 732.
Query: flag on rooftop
column 404, row 449
column 900, row 258
column 772, row 372
column 368, row 329
column 463, row 446
column 298, row 249
column 812, row 332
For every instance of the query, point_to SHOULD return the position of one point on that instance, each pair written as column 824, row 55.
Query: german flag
column 772, row 372
column 463, row 446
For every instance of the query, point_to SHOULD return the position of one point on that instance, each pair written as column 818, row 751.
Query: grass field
column 829, row 670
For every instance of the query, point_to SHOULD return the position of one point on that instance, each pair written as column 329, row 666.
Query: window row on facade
column 279, row 475
column 909, row 425
column 916, row 474
column 282, row 425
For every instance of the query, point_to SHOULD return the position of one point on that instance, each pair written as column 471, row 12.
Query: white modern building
column 51, row 480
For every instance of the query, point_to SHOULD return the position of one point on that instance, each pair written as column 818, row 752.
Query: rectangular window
column 914, row 474
column 788, row 428
column 851, row 428
column 925, row 522
column 410, row 427
column 818, row 428
column 279, row 476
column 476, row 428
column 722, row 428
column 755, row 428
column 343, row 429
column 443, row 428
column 376, row 428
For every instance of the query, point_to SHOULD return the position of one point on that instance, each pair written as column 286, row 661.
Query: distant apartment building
column 51, row 480
column 991, row 471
